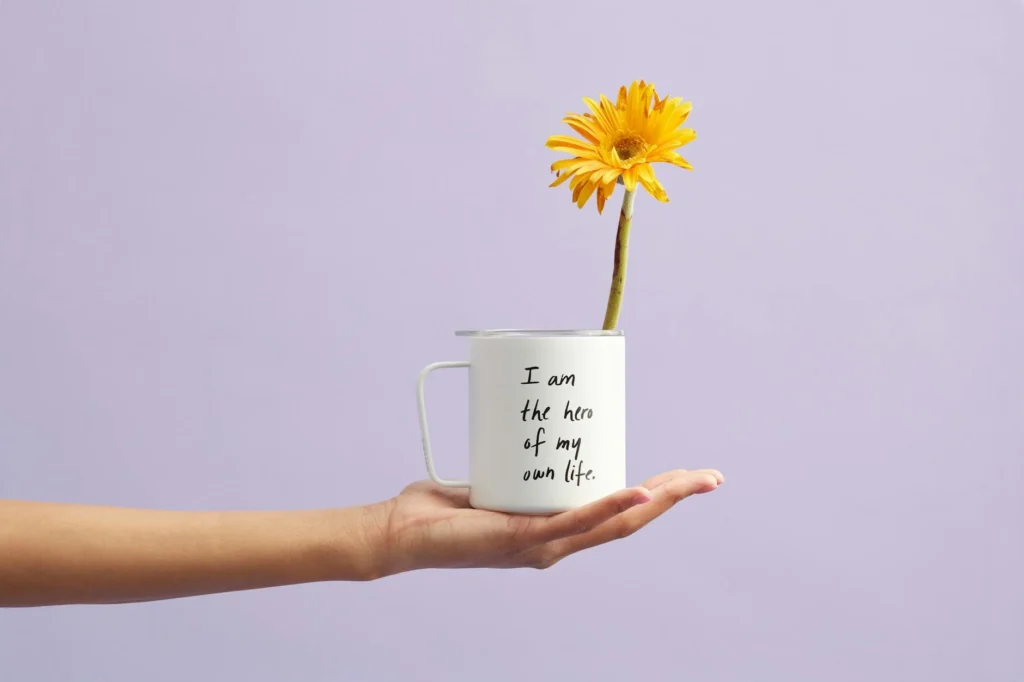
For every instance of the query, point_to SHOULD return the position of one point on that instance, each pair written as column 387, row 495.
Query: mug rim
column 539, row 333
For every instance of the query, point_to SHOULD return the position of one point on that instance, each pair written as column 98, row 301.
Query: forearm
column 74, row 554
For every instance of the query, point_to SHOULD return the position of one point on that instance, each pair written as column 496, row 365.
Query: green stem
column 611, row 315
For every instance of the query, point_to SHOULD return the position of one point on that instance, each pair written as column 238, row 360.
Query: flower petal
column 650, row 182
column 636, row 110
column 590, row 166
column 607, row 124
column 566, row 164
column 662, row 123
column 611, row 112
column 676, row 160
column 608, row 189
column 584, row 127
column 629, row 177
column 571, row 145
column 609, row 176
column 587, row 189
column 659, row 104
column 562, row 177
column 680, row 138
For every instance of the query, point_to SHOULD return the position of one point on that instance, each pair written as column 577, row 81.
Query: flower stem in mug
column 611, row 315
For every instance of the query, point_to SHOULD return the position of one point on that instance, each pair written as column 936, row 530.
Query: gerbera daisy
column 620, row 142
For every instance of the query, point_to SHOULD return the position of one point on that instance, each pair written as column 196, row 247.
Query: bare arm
column 60, row 553
column 76, row 554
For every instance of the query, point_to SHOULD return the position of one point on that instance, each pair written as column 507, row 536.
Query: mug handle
column 423, row 422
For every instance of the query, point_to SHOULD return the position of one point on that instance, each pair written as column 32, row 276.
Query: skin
column 54, row 554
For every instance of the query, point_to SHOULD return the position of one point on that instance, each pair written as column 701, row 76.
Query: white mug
column 547, row 419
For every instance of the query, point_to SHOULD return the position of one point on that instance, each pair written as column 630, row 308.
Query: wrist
column 359, row 543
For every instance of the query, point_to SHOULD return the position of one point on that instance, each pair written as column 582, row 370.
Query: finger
column 665, row 497
column 587, row 517
column 660, row 479
column 667, row 476
column 713, row 473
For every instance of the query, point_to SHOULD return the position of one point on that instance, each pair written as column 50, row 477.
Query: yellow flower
column 622, row 140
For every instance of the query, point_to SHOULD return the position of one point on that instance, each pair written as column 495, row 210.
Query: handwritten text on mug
column 534, row 412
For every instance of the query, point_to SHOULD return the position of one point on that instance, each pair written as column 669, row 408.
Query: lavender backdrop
column 232, row 232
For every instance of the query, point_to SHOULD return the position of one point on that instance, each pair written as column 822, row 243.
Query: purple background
column 232, row 232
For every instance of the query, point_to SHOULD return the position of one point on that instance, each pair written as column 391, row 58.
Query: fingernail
column 642, row 496
column 715, row 474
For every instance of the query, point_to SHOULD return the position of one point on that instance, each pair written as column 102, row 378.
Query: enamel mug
column 547, row 419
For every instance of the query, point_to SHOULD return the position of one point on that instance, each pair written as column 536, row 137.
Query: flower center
column 628, row 146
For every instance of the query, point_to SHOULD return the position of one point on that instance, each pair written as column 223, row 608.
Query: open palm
column 428, row 526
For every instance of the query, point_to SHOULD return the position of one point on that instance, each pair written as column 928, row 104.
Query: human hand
column 428, row 526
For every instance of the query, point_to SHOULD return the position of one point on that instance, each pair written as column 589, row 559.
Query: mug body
column 547, row 422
